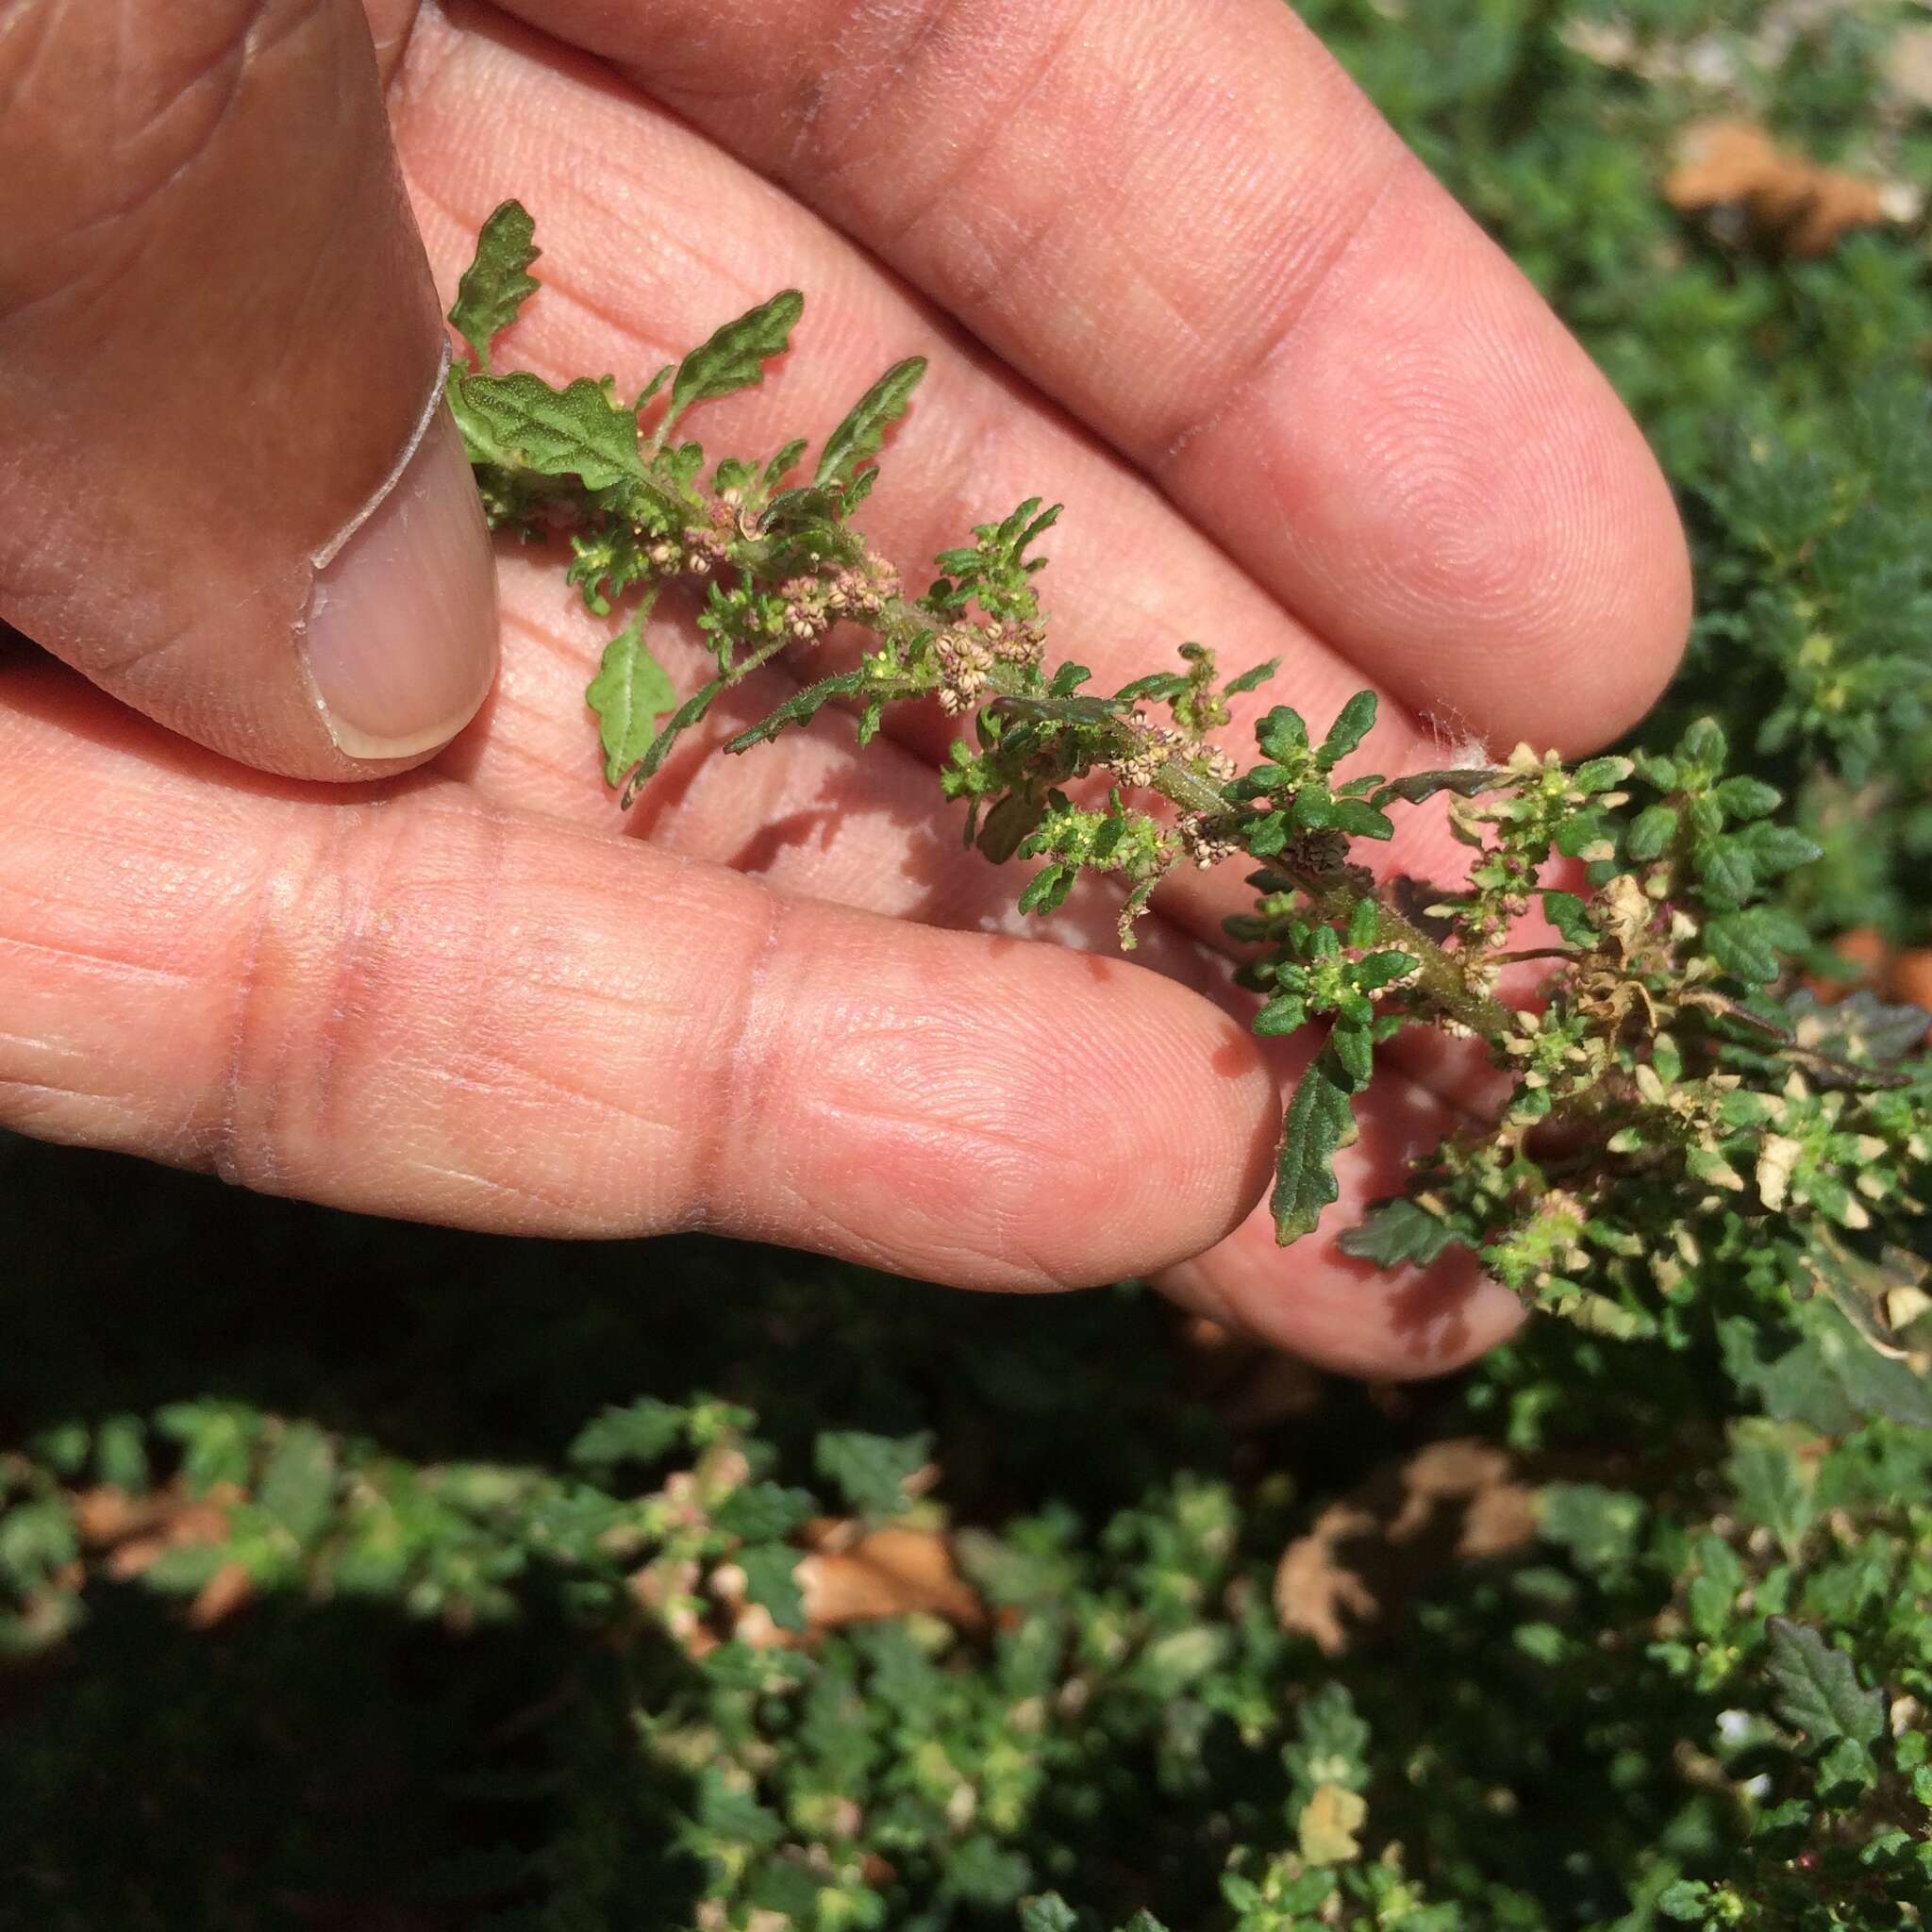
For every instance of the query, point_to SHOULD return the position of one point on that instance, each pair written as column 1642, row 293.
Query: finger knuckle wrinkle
column 177, row 75
column 732, row 1068
column 349, row 925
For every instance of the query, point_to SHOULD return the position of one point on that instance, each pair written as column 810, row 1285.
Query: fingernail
column 401, row 631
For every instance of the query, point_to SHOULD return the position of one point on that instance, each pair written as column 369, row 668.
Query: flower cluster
column 965, row 658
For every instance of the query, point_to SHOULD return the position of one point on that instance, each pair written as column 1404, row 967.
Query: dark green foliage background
column 1545, row 1737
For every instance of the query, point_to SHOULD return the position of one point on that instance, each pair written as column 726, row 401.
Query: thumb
column 229, row 489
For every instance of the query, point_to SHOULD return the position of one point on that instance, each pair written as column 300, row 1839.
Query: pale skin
column 1168, row 267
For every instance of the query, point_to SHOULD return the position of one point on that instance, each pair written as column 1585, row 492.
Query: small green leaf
column 1831, row 1379
column 1357, row 721
column 518, row 422
column 1582, row 831
column 730, row 1812
column 1359, row 820
column 1650, row 833
column 1048, row 890
column 1772, row 1488
column 1285, row 1013
column 1156, row 686
column 1600, row 774
column 1354, row 1043
column 769, row 1581
column 1319, row 1123
column 497, row 282
column 1747, row 798
column 1313, row 810
column 1818, row 1687
column 1183, row 1656
column 1725, row 873
column 1570, row 917
column 855, row 492
column 1266, row 835
column 1861, row 1028
column 1057, row 709
column 1049, row 1913
column 1394, row 1232
column 299, row 1483
column 1251, row 679
column 1776, row 850
column 859, row 437
column 1687, row 1900
column 643, row 1432
column 121, row 1452
column 1704, row 743
column 680, row 720
column 1739, row 942
column 1282, row 735
column 1377, row 969
column 735, row 357
column 630, row 692
column 1008, row 823
column 1598, row 1527
column 763, row 1513
column 873, row 1471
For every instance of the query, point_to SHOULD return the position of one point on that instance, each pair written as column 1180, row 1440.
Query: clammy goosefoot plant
column 1672, row 1102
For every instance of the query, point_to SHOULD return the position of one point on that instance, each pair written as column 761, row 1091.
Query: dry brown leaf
column 1787, row 196
column 1454, row 1501
column 136, row 1531
column 224, row 1594
column 889, row 1572
column 105, row 1515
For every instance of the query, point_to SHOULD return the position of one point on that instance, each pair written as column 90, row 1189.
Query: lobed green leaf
column 1398, row 1231
column 630, row 692
column 1357, row 721
column 859, row 437
column 643, row 1431
column 1251, row 679
column 873, row 1471
column 1319, row 1123
column 735, row 357
column 771, row 1581
column 497, row 282
column 518, row 422
column 1818, row 1687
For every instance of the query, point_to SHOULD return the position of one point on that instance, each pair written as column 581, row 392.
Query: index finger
column 1185, row 225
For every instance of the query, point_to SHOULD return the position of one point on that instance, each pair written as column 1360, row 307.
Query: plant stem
column 1443, row 978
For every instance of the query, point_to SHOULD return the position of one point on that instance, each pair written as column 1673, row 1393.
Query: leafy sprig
column 1661, row 1106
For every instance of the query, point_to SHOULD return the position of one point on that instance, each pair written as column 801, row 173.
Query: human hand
column 1292, row 399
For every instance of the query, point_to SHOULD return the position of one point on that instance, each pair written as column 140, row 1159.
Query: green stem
column 1443, row 978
